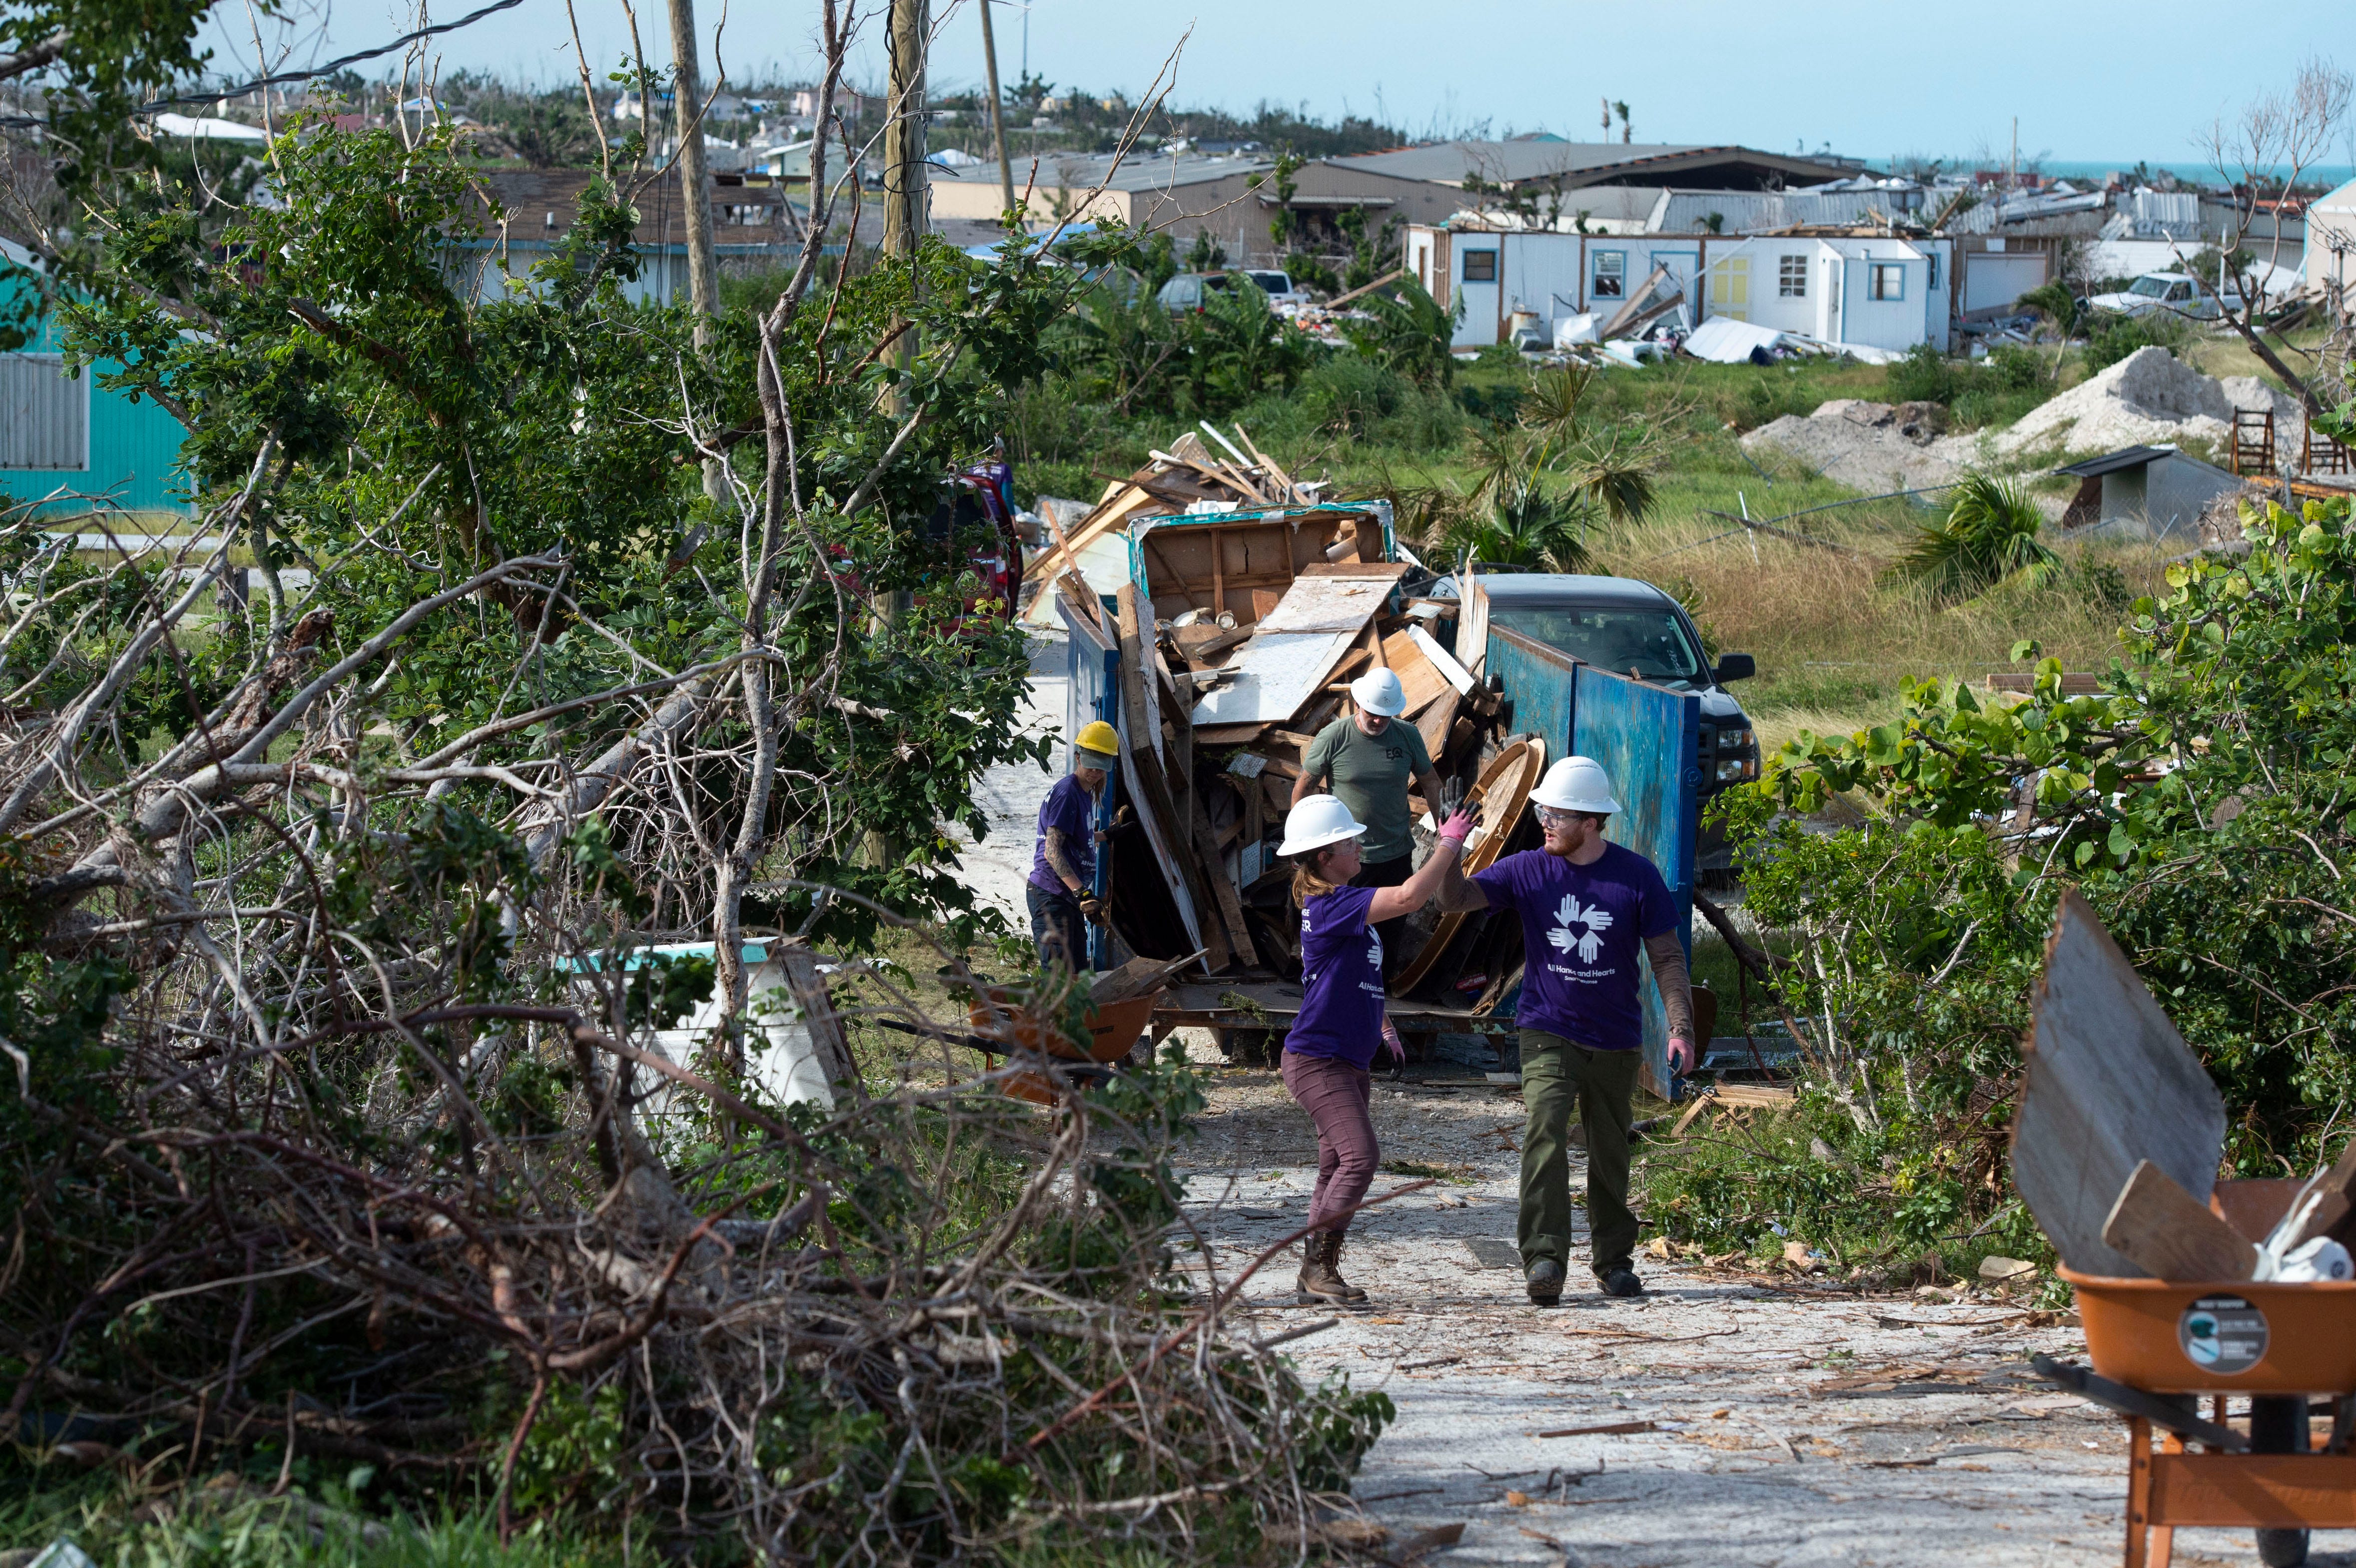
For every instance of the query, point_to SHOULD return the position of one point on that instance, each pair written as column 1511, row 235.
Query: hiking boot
column 1320, row 1273
column 1544, row 1277
column 1622, row 1282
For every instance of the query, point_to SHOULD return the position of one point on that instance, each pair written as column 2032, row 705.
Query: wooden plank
column 1214, row 866
column 1435, row 723
column 1473, row 621
column 2171, row 1234
column 1424, row 681
column 2255, row 1490
column 1149, row 795
column 2109, row 1083
column 1095, row 526
column 1443, row 661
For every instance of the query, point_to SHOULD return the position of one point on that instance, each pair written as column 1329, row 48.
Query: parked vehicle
column 1634, row 629
column 2157, row 291
column 1192, row 291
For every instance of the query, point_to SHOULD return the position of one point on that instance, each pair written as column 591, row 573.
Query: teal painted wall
column 135, row 448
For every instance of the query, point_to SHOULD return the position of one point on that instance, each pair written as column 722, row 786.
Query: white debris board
column 1294, row 649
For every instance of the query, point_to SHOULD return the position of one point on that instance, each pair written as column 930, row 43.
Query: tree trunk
column 695, row 188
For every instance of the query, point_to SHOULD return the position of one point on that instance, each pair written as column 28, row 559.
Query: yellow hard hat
column 1101, row 738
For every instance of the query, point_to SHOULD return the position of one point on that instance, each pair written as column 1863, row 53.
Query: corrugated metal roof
column 1758, row 211
column 1513, row 163
column 1139, row 172
column 2112, row 463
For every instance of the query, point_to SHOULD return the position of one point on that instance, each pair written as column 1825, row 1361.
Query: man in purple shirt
column 1063, row 867
column 1586, row 906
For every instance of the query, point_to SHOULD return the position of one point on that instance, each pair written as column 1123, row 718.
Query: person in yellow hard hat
column 1063, row 870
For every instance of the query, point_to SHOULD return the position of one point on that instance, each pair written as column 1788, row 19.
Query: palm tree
column 1989, row 535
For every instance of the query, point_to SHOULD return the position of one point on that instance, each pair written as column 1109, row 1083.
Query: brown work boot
column 1320, row 1273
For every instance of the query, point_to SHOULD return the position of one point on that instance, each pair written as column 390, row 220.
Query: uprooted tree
column 329, row 1132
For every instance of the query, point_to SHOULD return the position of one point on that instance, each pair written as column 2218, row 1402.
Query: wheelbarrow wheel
column 2282, row 1548
column 2279, row 1426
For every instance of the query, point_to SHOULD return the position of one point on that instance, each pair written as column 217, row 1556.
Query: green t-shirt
column 1371, row 774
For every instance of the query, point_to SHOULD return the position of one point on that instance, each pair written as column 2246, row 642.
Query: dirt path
column 1790, row 1425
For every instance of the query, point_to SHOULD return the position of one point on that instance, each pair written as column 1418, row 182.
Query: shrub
column 1989, row 533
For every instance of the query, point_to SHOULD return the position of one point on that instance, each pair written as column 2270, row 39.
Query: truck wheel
column 2279, row 1426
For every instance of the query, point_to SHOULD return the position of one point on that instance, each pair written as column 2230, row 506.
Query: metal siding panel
column 44, row 417
column 1539, row 680
column 1648, row 739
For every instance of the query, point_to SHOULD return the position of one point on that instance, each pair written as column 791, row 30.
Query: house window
column 1933, row 280
column 1889, row 282
column 44, row 417
column 1480, row 266
column 1610, row 279
column 1791, row 277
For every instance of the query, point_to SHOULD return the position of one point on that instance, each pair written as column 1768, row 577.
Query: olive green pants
column 1555, row 1072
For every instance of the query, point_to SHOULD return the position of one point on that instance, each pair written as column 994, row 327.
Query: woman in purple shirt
column 1329, row 1056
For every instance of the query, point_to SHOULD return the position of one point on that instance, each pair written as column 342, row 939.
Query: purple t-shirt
column 1071, row 811
column 1582, row 927
column 1342, row 973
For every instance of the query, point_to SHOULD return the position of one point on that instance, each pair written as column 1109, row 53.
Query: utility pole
column 904, row 191
column 2012, row 169
column 996, row 107
column 695, row 185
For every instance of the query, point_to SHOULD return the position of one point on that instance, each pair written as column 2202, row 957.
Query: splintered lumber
column 1443, row 661
column 2171, row 1234
column 2109, row 1083
column 1422, row 680
column 1296, row 645
column 1473, row 621
column 1434, row 723
column 1214, row 866
column 1065, row 557
column 1625, row 316
column 1135, row 978
column 1394, row 275
column 1149, row 793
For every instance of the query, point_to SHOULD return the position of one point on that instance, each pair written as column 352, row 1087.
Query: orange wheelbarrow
column 2158, row 1346
column 1003, row 1027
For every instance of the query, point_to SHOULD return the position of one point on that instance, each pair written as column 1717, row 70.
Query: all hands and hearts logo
column 1594, row 917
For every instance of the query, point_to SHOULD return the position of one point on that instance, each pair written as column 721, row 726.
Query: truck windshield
column 1650, row 644
column 2150, row 288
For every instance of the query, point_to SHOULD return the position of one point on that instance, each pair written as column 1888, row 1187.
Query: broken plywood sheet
column 1296, row 644
column 1473, row 621
column 2109, row 1083
column 1421, row 678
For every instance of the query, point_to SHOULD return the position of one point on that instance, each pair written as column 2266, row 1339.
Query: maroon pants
column 1334, row 1093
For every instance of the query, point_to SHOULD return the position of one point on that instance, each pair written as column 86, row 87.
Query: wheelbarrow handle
column 2098, row 1390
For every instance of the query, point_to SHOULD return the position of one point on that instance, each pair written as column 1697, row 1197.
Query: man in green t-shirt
column 1368, row 757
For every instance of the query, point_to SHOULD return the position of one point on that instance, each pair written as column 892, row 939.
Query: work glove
column 1093, row 909
column 1394, row 1044
column 1459, row 827
column 1681, row 1056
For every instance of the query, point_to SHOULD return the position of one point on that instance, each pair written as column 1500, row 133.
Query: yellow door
column 1729, row 288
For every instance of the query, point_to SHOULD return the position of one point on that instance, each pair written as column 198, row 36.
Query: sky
column 2089, row 80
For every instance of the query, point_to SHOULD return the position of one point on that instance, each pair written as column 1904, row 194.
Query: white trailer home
column 1873, row 291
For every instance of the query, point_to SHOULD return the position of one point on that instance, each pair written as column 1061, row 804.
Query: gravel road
column 1789, row 1423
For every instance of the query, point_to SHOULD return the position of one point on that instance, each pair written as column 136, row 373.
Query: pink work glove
column 1681, row 1056
column 1392, row 1043
column 1459, row 827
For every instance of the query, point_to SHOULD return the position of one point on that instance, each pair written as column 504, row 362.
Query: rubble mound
column 1869, row 447
column 2147, row 399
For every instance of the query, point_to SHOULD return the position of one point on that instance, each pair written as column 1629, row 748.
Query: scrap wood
column 1394, row 275
column 1156, row 809
column 1623, row 318
column 1291, row 490
column 2171, row 1234
column 1136, row 977
column 1222, row 891
column 2108, row 1083
column 1422, row 680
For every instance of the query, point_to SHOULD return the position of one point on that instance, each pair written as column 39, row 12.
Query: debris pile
column 1233, row 632
column 2149, row 398
column 1189, row 479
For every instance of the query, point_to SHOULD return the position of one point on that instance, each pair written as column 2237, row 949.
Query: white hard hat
column 1379, row 691
column 1577, row 784
column 1319, row 820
